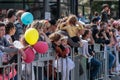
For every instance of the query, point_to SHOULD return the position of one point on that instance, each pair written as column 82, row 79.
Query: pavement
column 115, row 78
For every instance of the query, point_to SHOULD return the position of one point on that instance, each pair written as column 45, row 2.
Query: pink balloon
column 41, row 47
column 29, row 55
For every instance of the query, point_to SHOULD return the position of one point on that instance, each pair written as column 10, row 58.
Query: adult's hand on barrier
column 86, row 56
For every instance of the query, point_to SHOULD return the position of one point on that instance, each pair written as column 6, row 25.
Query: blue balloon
column 27, row 18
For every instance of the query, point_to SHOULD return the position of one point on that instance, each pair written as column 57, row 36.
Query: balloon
column 27, row 18
column 29, row 55
column 41, row 47
column 31, row 36
column 18, row 44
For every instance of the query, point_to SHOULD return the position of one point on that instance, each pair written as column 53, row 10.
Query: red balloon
column 29, row 55
column 41, row 47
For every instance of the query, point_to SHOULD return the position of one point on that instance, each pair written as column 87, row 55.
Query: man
column 11, row 16
column 19, row 25
column 105, row 13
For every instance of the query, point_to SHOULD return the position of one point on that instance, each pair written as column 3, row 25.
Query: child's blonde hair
column 72, row 19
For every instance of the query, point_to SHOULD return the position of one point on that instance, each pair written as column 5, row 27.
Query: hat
column 105, row 5
column 64, row 37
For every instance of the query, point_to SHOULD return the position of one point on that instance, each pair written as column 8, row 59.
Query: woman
column 89, row 53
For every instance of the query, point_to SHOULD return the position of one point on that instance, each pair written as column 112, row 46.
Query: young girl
column 89, row 53
column 62, row 63
column 64, row 43
column 10, row 31
column 7, row 72
column 72, row 26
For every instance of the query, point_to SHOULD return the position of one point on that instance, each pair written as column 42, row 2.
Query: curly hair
column 72, row 19
column 8, row 27
column 55, row 37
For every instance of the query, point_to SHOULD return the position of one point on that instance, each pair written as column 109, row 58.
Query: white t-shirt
column 85, row 48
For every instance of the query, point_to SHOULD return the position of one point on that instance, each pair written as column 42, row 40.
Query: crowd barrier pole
column 117, row 63
column 106, row 62
column 19, row 67
column 101, row 56
column 72, row 57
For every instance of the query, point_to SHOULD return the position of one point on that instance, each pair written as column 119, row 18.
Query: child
column 72, row 27
column 62, row 63
column 10, row 31
column 5, row 74
column 64, row 43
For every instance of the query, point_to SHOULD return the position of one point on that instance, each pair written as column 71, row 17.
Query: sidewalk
column 115, row 78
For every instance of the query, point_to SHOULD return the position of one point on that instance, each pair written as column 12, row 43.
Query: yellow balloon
column 31, row 36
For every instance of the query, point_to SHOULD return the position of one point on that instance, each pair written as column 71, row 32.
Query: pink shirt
column 11, row 75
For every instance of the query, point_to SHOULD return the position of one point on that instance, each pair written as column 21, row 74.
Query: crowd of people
column 62, row 35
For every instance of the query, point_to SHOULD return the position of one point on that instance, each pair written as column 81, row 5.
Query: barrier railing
column 43, row 67
column 102, row 56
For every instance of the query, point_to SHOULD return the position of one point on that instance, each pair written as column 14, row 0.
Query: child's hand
column 23, row 54
column 81, row 44
column 13, row 65
column 85, row 56
column 41, row 32
column 93, row 53
column 26, row 47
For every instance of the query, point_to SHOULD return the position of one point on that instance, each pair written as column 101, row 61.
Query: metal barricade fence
column 103, row 57
column 117, row 63
column 43, row 67
column 100, row 56
column 7, row 71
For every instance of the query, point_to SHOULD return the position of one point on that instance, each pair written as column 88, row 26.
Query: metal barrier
column 7, row 72
column 100, row 55
column 43, row 67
